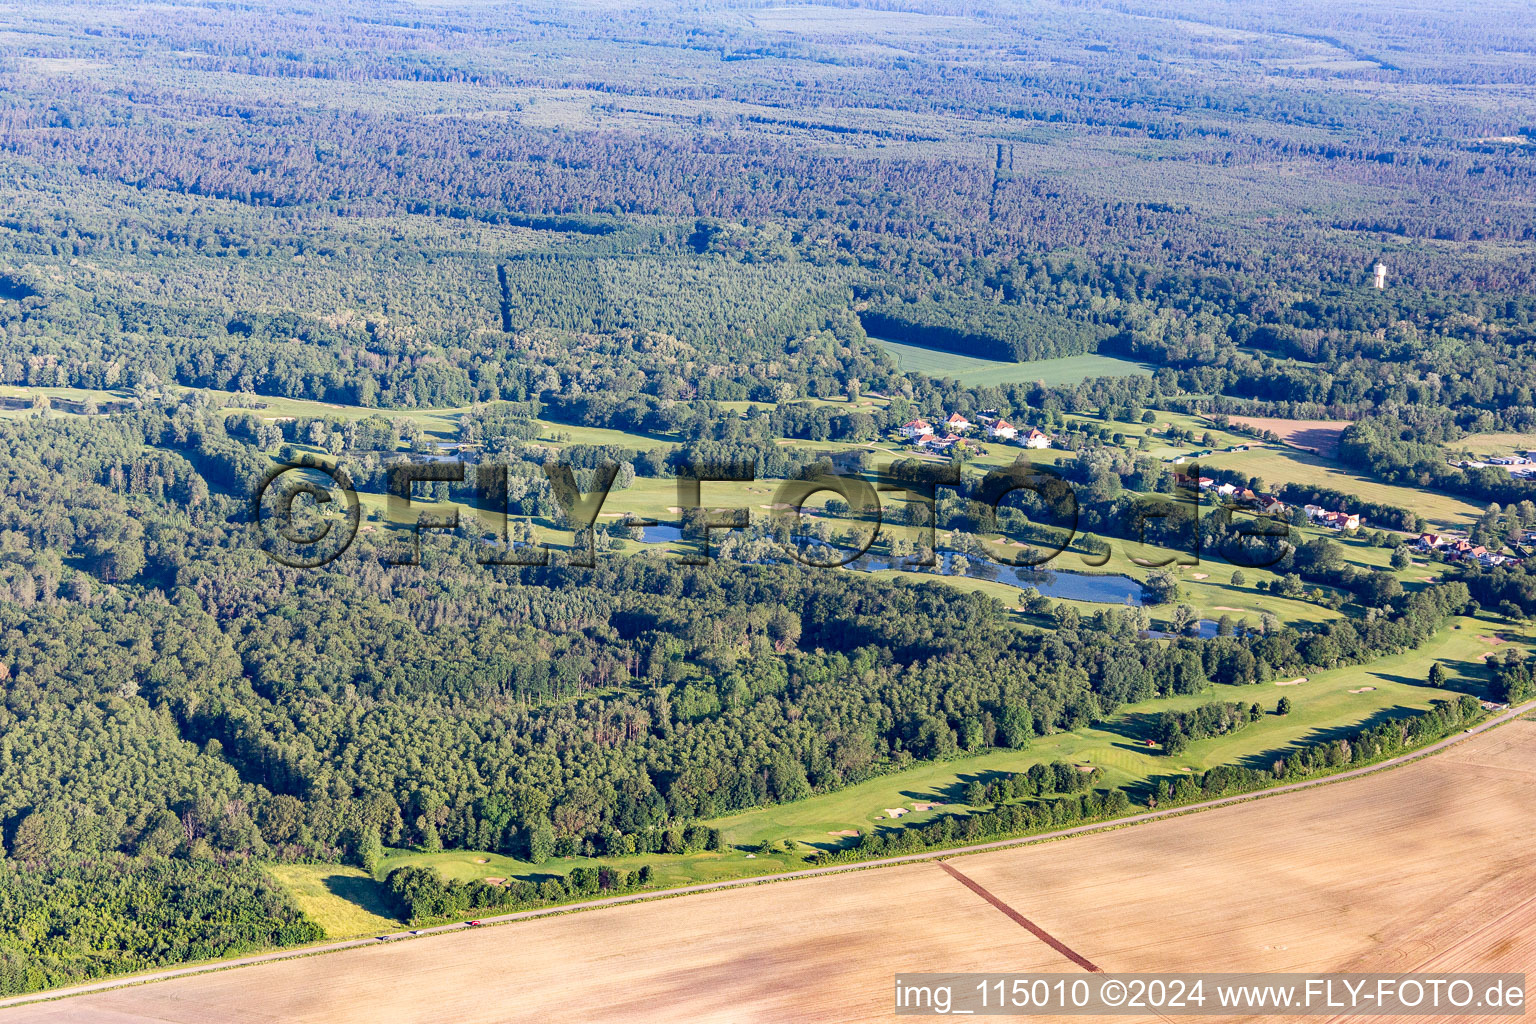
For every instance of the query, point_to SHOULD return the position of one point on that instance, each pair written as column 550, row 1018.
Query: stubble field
column 1420, row 868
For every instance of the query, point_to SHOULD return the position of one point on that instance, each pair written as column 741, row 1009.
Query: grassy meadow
column 975, row 372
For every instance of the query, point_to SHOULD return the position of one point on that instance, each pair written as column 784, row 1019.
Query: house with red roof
column 1037, row 439
column 1002, row 430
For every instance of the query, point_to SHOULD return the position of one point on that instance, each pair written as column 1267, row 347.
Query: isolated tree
column 1284, row 707
column 1161, row 587
column 1437, row 675
column 1238, row 579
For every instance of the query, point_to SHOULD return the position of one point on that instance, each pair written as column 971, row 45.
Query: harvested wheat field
column 1320, row 436
column 1425, row 867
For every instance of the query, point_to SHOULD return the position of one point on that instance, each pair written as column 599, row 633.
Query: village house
column 1270, row 505
column 1331, row 519
column 957, row 424
column 1466, row 549
column 1002, row 430
column 1037, row 439
column 933, row 443
column 916, row 430
column 1432, row 541
column 1206, row 483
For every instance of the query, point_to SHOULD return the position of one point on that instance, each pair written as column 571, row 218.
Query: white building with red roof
column 1002, row 430
column 917, row 430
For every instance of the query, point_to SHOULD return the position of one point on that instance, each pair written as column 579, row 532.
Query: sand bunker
column 1199, row 575
column 1495, row 639
column 482, row 860
column 1363, row 689
column 895, row 812
column 1227, row 608
column 778, row 506
column 916, row 808
column 496, row 881
column 1290, row 682
column 845, row 832
column 674, row 508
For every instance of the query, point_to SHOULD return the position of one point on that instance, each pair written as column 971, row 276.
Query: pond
column 1208, row 630
column 660, row 533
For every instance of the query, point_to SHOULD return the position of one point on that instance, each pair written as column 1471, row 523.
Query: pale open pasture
column 1423, row 867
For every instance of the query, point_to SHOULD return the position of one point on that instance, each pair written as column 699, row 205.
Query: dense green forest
column 693, row 227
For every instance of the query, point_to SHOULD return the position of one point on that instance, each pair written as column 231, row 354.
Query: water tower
column 1381, row 275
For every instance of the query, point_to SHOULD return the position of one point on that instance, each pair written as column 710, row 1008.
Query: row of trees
column 421, row 894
